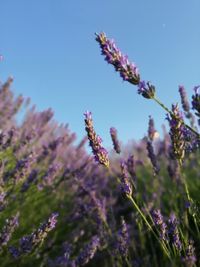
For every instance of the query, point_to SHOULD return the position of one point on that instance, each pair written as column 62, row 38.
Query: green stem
column 127, row 262
column 149, row 226
column 171, row 113
column 189, row 199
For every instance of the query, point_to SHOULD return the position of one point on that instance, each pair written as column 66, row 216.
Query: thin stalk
column 171, row 113
column 189, row 199
column 127, row 262
column 149, row 226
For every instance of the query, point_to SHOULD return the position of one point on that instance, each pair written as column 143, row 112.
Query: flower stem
column 189, row 200
column 171, row 113
column 149, row 226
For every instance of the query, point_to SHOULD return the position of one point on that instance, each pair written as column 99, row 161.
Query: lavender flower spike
column 196, row 102
column 122, row 239
column 147, row 90
column 173, row 232
column 190, row 257
column 177, row 133
column 152, row 157
column 100, row 153
column 116, row 145
column 8, row 229
column 128, row 71
column 152, row 133
column 159, row 222
column 88, row 252
column 28, row 243
column 125, row 183
column 184, row 99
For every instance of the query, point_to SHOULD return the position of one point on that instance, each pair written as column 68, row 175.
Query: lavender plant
column 108, row 215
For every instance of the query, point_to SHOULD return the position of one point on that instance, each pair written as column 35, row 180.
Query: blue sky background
column 49, row 48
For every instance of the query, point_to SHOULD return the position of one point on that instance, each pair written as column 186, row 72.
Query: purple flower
column 152, row 157
column 14, row 252
column 95, row 203
column 31, row 178
column 128, row 71
column 8, row 229
column 177, row 133
column 173, row 169
column 151, row 129
column 88, row 251
column 100, row 153
column 146, row 89
column 173, row 232
column 122, row 239
column 190, row 257
column 186, row 105
column 159, row 222
column 184, row 99
column 116, row 145
column 50, row 175
column 63, row 260
column 23, row 167
column 196, row 101
column 2, row 200
column 130, row 163
column 28, row 243
column 125, row 183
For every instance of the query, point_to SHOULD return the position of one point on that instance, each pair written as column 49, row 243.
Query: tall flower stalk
column 129, row 72
column 100, row 153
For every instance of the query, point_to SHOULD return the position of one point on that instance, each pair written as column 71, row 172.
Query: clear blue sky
column 49, row 48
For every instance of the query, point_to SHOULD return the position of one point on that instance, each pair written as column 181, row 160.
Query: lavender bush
column 135, row 206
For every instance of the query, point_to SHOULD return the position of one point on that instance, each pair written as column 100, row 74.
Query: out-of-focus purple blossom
column 31, row 178
column 100, row 153
column 152, row 157
column 131, row 168
column 116, row 144
column 8, row 229
column 28, row 243
column 8, row 138
column 2, row 200
column 9, row 106
column 173, row 169
column 128, row 71
column 126, row 186
column 190, row 257
column 82, row 143
column 196, row 102
column 14, row 252
column 23, row 166
column 2, row 137
column 55, row 143
column 151, row 129
column 173, row 232
column 123, row 239
column 177, row 133
column 192, row 141
column 88, row 251
column 186, row 105
column 50, row 175
column 184, row 99
column 64, row 260
column 147, row 90
column 164, row 144
column 98, row 205
column 187, row 204
column 159, row 222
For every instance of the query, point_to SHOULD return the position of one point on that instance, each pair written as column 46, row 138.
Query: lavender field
column 136, row 205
